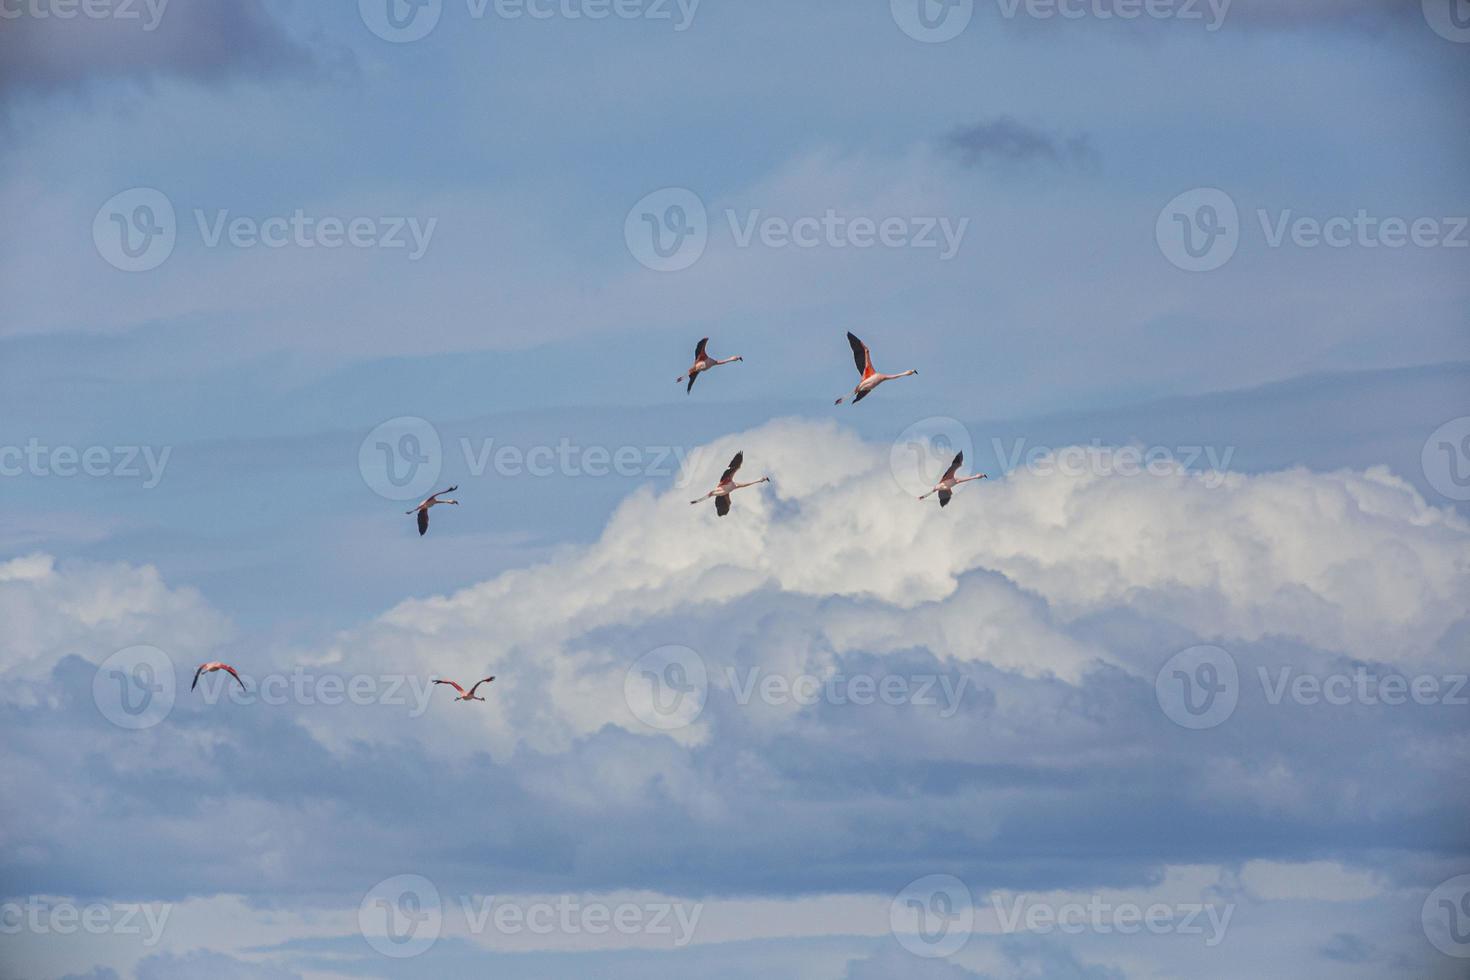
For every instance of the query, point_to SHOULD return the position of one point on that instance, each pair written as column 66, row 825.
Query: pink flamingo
column 727, row 486
column 210, row 668
column 703, row 362
column 471, row 695
column 871, row 379
column 947, row 483
column 423, row 508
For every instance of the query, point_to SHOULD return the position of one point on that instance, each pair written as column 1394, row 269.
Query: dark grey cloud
column 1006, row 142
column 201, row 40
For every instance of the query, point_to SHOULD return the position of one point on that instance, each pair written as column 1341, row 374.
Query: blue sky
column 1189, row 287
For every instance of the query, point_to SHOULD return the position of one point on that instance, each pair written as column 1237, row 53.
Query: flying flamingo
column 471, row 695
column 727, row 486
column 703, row 362
column 210, row 668
column 423, row 509
column 947, row 483
column 871, row 379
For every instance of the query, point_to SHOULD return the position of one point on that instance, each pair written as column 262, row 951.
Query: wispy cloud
column 1009, row 143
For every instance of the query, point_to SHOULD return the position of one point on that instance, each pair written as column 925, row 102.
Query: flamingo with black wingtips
column 727, row 486
column 703, row 362
column 947, row 483
column 423, row 508
column 870, row 378
column 210, row 668
column 470, row 695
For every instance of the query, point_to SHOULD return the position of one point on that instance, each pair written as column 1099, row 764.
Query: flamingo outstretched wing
column 959, row 459
column 734, row 466
column 722, row 504
column 453, row 685
column 860, row 355
column 944, row 496
column 477, row 685
column 699, row 349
